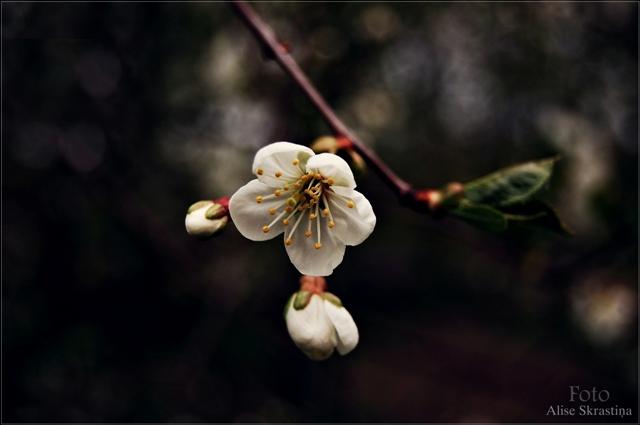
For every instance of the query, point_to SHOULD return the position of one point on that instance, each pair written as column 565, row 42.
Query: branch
column 280, row 53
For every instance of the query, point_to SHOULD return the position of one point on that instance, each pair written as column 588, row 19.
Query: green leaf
column 302, row 300
column 512, row 185
column 537, row 214
column 479, row 215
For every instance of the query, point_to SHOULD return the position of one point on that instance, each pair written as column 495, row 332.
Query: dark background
column 116, row 117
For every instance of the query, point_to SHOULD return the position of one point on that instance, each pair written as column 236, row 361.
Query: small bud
column 452, row 193
column 325, row 144
column 205, row 219
column 358, row 162
column 454, row 189
column 317, row 321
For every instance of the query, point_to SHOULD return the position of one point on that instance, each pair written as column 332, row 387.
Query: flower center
column 308, row 195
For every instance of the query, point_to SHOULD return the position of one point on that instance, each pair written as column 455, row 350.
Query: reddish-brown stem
column 223, row 201
column 273, row 48
column 313, row 284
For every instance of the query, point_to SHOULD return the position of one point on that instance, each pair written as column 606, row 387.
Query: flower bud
column 452, row 194
column 318, row 323
column 325, row 144
column 205, row 219
column 357, row 161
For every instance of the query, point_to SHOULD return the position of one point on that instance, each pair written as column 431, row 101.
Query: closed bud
column 205, row 219
column 452, row 194
column 317, row 321
column 325, row 144
column 454, row 189
column 357, row 161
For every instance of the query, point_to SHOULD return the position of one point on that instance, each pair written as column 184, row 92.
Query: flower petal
column 330, row 165
column 280, row 157
column 250, row 216
column 353, row 225
column 309, row 260
column 346, row 328
column 311, row 330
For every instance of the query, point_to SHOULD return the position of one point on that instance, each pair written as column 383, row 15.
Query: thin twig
column 276, row 50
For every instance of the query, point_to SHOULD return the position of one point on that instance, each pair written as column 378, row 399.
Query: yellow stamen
column 265, row 229
column 288, row 209
column 350, row 204
column 272, row 211
column 259, row 171
column 325, row 212
column 295, row 225
column 318, row 243
column 330, row 181
column 285, row 221
column 331, row 224
column 288, row 242
column 278, row 192
column 258, row 199
column 295, row 162
column 307, row 233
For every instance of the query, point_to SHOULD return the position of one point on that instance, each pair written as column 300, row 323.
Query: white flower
column 205, row 218
column 321, row 325
column 310, row 198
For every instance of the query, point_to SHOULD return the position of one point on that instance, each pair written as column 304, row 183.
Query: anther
column 331, row 224
column 285, row 221
column 278, row 174
column 291, row 202
column 317, row 245
column 259, row 171
column 295, row 162
column 330, row 181
column 265, row 229
column 325, row 212
column 288, row 209
column 278, row 192
column 288, row 242
column 312, row 216
column 258, row 199
column 307, row 233
column 350, row 204
column 272, row 211
column 318, row 176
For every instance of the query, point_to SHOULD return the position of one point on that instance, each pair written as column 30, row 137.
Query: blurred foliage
column 117, row 116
